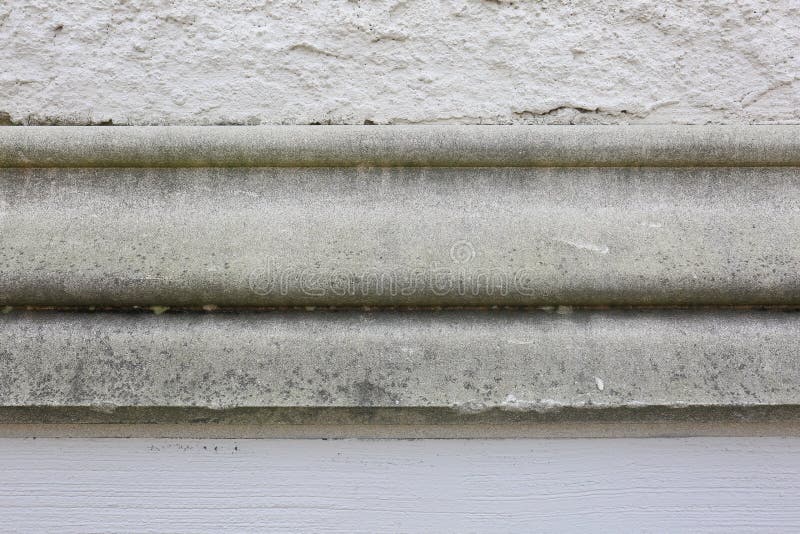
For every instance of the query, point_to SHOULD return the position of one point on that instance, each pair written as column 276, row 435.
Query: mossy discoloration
column 378, row 360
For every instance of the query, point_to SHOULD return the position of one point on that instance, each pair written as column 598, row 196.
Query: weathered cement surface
column 398, row 61
column 446, row 236
column 396, row 146
column 474, row 361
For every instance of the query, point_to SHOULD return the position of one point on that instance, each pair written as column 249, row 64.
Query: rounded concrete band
column 438, row 146
column 399, row 216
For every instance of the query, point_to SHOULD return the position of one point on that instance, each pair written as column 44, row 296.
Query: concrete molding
column 467, row 361
column 403, row 146
column 682, row 223
column 400, row 237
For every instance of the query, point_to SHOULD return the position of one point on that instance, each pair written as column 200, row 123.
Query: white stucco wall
column 399, row 61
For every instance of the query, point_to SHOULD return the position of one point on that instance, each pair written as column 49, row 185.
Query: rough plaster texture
column 399, row 61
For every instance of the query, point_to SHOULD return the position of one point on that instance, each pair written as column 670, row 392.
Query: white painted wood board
column 580, row 485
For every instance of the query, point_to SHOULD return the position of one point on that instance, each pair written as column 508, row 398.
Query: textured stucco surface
column 396, row 61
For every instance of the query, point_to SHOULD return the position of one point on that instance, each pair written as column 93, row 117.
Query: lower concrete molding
column 526, row 361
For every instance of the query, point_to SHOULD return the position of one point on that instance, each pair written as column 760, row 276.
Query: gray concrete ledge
column 470, row 362
column 74, row 426
column 400, row 237
column 448, row 146
column 407, row 423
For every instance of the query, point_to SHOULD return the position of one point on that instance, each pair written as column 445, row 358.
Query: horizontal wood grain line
column 208, row 485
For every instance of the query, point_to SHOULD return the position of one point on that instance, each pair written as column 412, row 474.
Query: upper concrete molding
column 490, row 231
column 443, row 146
column 400, row 237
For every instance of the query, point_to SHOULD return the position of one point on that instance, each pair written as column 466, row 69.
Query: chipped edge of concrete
column 442, row 145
